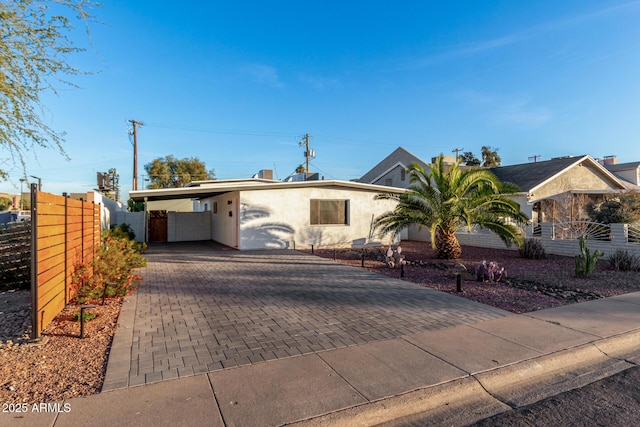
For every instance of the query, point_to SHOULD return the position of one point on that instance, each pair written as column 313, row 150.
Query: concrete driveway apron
column 200, row 309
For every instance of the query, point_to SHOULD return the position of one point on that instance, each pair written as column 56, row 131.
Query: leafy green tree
column 135, row 206
column 469, row 159
column 624, row 209
column 300, row 169
column 5, row 203
column 490, row 158
column 34, row 52
column 446, row 201
column 169, row 172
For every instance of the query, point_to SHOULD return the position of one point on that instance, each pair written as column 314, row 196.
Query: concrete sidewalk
column 444, row 375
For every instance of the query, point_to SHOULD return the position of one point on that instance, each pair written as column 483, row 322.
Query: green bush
column 624, row 261
column 110, row 273
column 532, row 249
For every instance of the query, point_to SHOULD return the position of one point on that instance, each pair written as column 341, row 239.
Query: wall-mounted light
column 229, row 202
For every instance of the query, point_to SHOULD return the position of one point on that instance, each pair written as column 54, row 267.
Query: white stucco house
column 267, row 214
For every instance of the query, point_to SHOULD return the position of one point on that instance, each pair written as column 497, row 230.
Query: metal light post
column 22, row 180
column 39, row 182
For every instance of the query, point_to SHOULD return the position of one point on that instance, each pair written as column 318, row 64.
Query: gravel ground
column 530, row 285
column 64, row 366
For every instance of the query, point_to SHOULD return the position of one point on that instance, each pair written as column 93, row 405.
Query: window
column 403, row 174
column 388, row 182
column 329, row 212
column 215, row 207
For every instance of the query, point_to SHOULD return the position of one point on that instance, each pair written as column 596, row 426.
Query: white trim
column 250, row 184
column 389, row 170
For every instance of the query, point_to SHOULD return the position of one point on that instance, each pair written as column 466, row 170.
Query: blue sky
column 237, row 84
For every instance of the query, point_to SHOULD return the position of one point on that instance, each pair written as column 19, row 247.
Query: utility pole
column 307, row 153
column 457, row 150
column 135, row 153
column 534, row 158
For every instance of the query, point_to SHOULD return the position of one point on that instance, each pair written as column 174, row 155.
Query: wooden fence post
column 34, row 262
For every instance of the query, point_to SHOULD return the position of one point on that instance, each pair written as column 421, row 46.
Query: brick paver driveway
column 200, row 309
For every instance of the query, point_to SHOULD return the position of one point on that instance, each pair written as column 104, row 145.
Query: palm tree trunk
column 447, row 246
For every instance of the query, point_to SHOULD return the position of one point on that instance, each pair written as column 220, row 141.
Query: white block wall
column 552, row 246
column 188, row 226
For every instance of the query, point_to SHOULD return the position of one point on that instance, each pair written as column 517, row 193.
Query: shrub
column 622, row 260
column 109, row 274
column 122, row 230
column 586, row 262
column 532, row 249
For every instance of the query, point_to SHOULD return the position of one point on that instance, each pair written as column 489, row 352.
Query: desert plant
column 122, row 230
column 447, row 199
column 110, row 273
column 532, row 249
column 622, row 260
column 586, row 262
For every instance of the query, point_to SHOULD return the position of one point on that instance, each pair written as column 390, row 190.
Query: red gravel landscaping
column 530, row 284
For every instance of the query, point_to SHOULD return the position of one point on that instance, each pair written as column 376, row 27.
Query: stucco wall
column 281, row 218
column 223, row 225
column 188, row 226
column 577, row 178
column 136, row 221
column 178, row 205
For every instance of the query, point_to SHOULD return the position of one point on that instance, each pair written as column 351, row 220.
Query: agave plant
column 448, row 200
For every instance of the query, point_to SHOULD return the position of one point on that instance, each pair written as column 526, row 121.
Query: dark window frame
column 324, row 212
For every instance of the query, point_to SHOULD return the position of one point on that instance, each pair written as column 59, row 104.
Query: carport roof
column 202, row 189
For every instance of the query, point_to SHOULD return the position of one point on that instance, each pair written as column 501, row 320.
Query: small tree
column 169, row 172
column 469, row 159
column 490, row 158
column 5, row 203
column 623, row 209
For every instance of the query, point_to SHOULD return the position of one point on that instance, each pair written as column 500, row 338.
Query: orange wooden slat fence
column 65, row 233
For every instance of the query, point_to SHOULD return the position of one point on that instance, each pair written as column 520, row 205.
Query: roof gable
column 399, row 156
column 529, row 176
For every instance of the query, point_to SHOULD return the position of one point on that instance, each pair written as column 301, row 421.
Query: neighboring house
column 266, row 214
column 392, row 170
column 558, row 187
column 627, row 172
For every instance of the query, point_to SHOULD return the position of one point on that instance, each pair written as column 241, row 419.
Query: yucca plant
column 448, row 200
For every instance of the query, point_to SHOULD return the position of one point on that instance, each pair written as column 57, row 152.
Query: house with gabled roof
column 543, row 185
column 391, row 171
column 628, row 173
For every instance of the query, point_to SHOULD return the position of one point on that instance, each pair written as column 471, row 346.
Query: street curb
column 484, row 394
column 442, row 402
column 532, row 380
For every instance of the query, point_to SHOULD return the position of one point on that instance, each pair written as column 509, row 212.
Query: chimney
column 610, row 160
column 265, row 174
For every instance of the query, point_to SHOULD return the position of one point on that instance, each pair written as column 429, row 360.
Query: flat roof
column 211, row 188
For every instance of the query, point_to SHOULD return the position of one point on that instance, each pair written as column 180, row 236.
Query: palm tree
column 446, row 201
